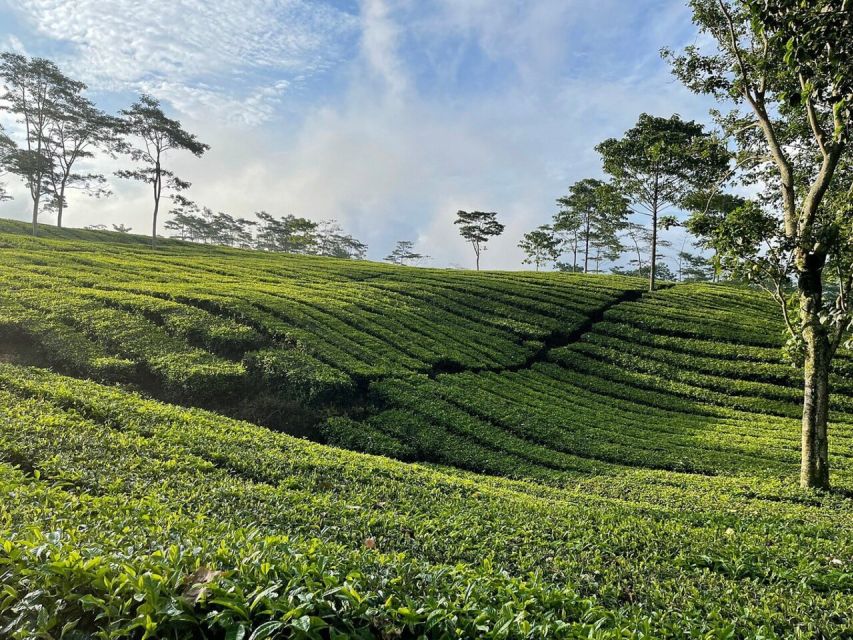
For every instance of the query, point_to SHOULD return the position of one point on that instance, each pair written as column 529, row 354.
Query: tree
column 77, row 129
column 34, row 89
column 607, row 247
column 639, row 239
column 566, row 226
column 155, row 134
column 594, row 211
column 540, row 246
column 693, row 267
column 122, row 228
column 8, row 148
column 289, row 234
column 663, row 270
column 707, row 210
column 477, row 227
column 403, row 252
column 658, row 163
column 331, row 241
column 789, row 65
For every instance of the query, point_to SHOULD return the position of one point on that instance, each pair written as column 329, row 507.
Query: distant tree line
column 660, row 167
column 286, row 234
column 56, row 127
column 658, row 164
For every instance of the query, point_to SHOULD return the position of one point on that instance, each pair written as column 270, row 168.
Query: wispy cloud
column 389, row 115
column 204, row 56
column 379, row 42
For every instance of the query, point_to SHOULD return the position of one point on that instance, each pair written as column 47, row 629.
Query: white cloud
column 379, row 41
column 389, row 155
column 210, row 58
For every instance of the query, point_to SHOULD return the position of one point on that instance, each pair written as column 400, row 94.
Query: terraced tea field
column 574, row 457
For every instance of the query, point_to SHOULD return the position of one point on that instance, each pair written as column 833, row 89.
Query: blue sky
column 387, row 115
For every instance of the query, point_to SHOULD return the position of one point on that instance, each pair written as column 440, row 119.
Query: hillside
column 640, row 452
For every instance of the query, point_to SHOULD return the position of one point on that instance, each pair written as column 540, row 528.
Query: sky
column 385, row 115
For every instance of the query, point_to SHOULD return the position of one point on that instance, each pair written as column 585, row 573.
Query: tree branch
column 819, row 134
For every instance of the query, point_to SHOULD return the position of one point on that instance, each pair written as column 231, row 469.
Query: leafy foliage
column 477, row 227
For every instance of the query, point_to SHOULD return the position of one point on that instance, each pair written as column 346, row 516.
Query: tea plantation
column 560, row 456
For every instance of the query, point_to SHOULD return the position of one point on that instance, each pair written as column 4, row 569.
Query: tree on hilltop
column 660, row 161
column 153, row 135
column 77, row 130
column 594, row 211
column 34, row 88
column 404, row 251
column 477, row 227
column 540, row 246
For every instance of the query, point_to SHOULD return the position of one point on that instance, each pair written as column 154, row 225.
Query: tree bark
column 157, row 191
column 814, row 468
column 586, row 247
column 36, row 199
column 61, row 206
column 654, row 260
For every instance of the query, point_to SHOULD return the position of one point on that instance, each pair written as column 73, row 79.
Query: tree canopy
column 477, row 227
column 540, row 246
column 658, row 163
column 153, row 135
column 595, row 212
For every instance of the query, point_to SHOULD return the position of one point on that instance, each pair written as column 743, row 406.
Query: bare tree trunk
column 814, row 468
column 36, row 199
column 654, row 260
column 654, row 250
column 586, row 247
column 154, row 223
column 157, row 190
column 60, row 206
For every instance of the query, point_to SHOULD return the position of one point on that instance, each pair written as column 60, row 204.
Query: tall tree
column 76, row 131
column 658, row 163
column 34, row 89
column 7, row 151
column 597, row 210
column 567, row 226
column 477, row 227
column 540, row 246
column 403, row 252
column 153, row 135
column 788, row 66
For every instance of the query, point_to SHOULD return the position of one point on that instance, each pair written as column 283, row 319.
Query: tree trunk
column 157, row 190
column 586, row 248
column 814, row 468
column 478, row 260
column 36, row 199
column 61, row 206
column 154, row 223
column 654, row 259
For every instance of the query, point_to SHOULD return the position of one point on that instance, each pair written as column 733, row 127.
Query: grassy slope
column 658, row 386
